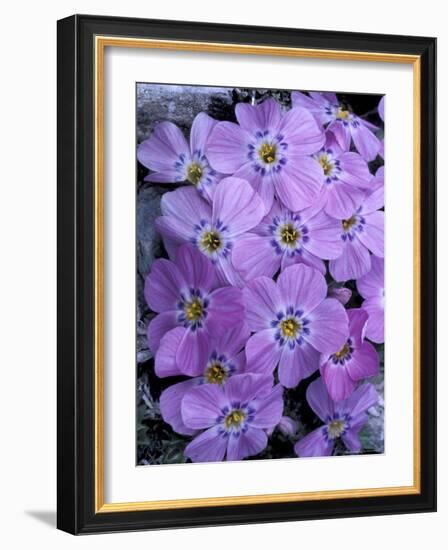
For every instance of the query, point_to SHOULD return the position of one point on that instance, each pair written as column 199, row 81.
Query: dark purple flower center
column 351, row 226
column 336, row 426
column 344, row 354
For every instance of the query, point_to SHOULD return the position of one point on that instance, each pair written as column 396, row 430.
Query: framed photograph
column 246, row 274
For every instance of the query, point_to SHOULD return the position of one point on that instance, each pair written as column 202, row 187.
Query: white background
column 28, row 273
column 123, row 481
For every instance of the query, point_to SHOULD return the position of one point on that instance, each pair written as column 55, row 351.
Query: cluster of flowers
column 243, row 306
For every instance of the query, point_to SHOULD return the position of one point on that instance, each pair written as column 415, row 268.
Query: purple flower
column 341, row 294
column 356, row 360
column 294, row 322
column 234, row 417
column 341, row 420
column 381, row 108
column 346, row 180
column 172, row 159
column 184, row 293
column 371, row 287
column 285, row 238
column 213, row 229
column 223, row 359
column 271, row 149
column 361, row 232
column 344, row 124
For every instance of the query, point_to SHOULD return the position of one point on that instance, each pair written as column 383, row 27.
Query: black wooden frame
column 76, row 275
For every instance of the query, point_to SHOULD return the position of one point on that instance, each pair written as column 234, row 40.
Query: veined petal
column 297, row 364
column 375, row 324
column 301, row 132
column 299, row 183
column 264, row 116
column 200, row 132
column 163, row 148
column 269, row 409
column 319, row 400
column 165, row 361
column 367, row 144
column 314, row 444
column 163, row 285
column 202, row 406
column 351, row 436
column 253, row 256
column 328, row 326
column 371, row 285
column 262, row 352
column 243, row 388
column 226, row 147
column 170, row 405
column 364, row 397
column 225, row 310
column 324, row 239
column 248, row 443
column 364, row 362
column 192, row 353
column 302, row 287
column 209, row 446
column 237, row 206
column 198, row 271
column 158, row 327
column 337, row 380
column 262, row 301
column 354, row 262
column 373, row 235
column 341, row 134
column 354, row 170
column 343, row 200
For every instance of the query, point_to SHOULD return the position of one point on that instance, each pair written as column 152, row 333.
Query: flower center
column 343, row 352
column 234, row 418
column 336, row 428
column 342, row 113
column 215, row 374
column 267, row 153
column 289, row 234
column 211, row 241
column 326, row 165
column 194, row 310
column 194, row 173
column 290, row 327
column 347, row 224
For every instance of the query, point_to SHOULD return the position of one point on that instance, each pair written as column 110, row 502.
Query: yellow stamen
column 194, row 173
column 267, row 153
column 326, row 165
column 289, row 234
column 347, row 224
column 194, row 310
column 342, row 114
column 343, row 352
column 211, row 241
column 290, row 327
column 336, row 428
column 215, row 374
column 234, row 418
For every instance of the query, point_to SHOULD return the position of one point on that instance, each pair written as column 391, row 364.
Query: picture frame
column 83, row 238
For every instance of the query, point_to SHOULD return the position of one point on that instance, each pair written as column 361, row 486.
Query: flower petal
column 354, row 170
column 328, row 326
column 269, row 409
column 243, row 388
column 158, row 327
column 341, row 133
column 248, row 443
column 297, row 364
column 253, row 256
column 351, row 436
column 354, row 262
column 262, row 352
column 314, row 444
column 373, row 235
column 343, row 200
column 237, row 206
column 364, row 397
column 163, row 148
column 367, row 144
column 165, row 361
column 202, row 406
column 192, row 353
column 198, row 271
column 324, row 240
column 226, row 147
column 264, row 116
column 163, row 285
column 225, row 310
column 200, row 132
column 371, row 285
column 170, row 405
column 299, row 182
column 375, row 324
column 364, row 362
column 319, row 400
column 301, row 287
column 337, row 380
column 210, row 446
column 262, row 301
column 301, row 132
